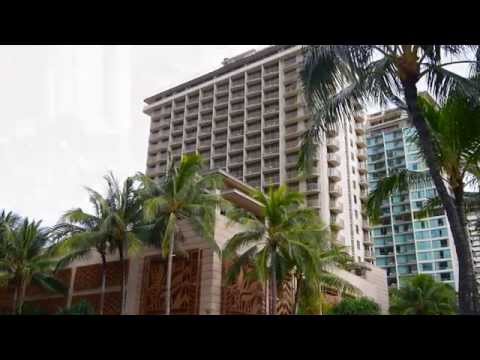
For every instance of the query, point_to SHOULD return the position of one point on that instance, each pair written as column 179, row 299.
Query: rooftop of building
column 229, row 65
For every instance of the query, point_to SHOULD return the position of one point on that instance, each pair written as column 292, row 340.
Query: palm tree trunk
column 124, row 278
column 168, row 290
column 23, row 290
column 465, row 263
column 274, row 286
column 297, row 295
column 460, row 204
column 104, row 282
column 122, row 286
column 15, row 300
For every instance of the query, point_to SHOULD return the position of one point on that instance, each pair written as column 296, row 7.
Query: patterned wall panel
column 186, row 274
column 63, row 276
column 112, row 303
column 90, row 277
column 6, row 300
column 286, row 298
column 243, row 297
column 50, row 306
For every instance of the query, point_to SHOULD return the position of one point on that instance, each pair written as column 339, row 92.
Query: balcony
column 271, row 123
column 292, row 174
column 332, row 144
column 205, row 130
column 204, row 144
column 253, row 170
column 292, row 115
column 191, row 135
column 292, row 144
column 335, row 190
column 291, row 89
column 292, row 129
column 336, row 223
column 271, row 96
column 271, row 70
column 236, row 160
column 364, row 195
column 254, row 115
column 238, row 95
column 336, row 207
column 271, row 110
column 365, row 225
column 253, row 155
column 362, row 155
column 237, row 146
column 270, row 165
column 332, row 132
column 237, row 119
column 333, row 159
column 359, row 119
column 312, row 202
column 222, row 89
column 362, row 169
column 253, row 127
column 272, row 180
column 254, row 183
column 237, row 108
column 269, row 150
column 253, row 141
column 271, row 85
column 190, row 148
column 254, row 90
column 363, row 182
column 361, row 142
column 254, row 77
column 236, row 133
column 312, row 186
column 253, row 103
column 367, row 241
column 271, row 136
column 238, row 174
column 359, row 129
column 221, row 138
column 333, row 175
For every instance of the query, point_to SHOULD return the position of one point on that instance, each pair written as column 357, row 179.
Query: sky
column 69, row 114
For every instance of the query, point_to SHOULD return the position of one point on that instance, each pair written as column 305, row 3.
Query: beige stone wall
column 372, row 285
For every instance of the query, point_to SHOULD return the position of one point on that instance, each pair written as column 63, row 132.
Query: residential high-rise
column 406, row 244
column 473, row 219
column 248, row 118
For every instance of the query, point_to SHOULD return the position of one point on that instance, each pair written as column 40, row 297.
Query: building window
column 358, row 245
column 353, row 170
column 354, row 184
column 356, row 229
column 355, row 199
column 356, row 214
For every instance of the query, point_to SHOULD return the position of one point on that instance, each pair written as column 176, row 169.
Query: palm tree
column 456, row 134
column 286, row 240
column 339, row 79
column 81, row 233
column 184, row 194
column 422, row 295
column 116, row 226
column 28, row 256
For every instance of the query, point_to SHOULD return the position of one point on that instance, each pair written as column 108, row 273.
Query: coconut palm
column 422, row 295
column 115, row 227
column 28, row 256
column 184, row 194
column 287, row 240
column 80, row 232
column 340, row 79
column 456, row 134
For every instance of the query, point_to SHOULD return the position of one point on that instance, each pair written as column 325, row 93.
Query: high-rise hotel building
column 248, row 118
column 406, row 244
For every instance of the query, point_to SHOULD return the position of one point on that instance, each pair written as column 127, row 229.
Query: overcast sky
column 69, row 114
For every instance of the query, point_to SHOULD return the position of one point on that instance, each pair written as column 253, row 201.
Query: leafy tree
column 184, row 194
column 340, row 79
column 422, row 295
column 356, row 306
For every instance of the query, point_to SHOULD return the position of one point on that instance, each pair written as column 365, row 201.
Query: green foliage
column 355, row 306
column 81, row 308
column 422, row 295
column 286, row 240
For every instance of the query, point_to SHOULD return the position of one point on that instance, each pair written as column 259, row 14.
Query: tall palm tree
column 339, row 79
column 116, row 226
column 27, row 256
column 80, row 232
column 286, row 240
column 422, row 295
column 455, row 132
column 184, row 194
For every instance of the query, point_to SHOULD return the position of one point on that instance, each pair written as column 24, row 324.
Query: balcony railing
column 271, row 150
column 271, row 122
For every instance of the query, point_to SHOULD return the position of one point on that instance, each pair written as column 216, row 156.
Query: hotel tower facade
column 247, row 118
